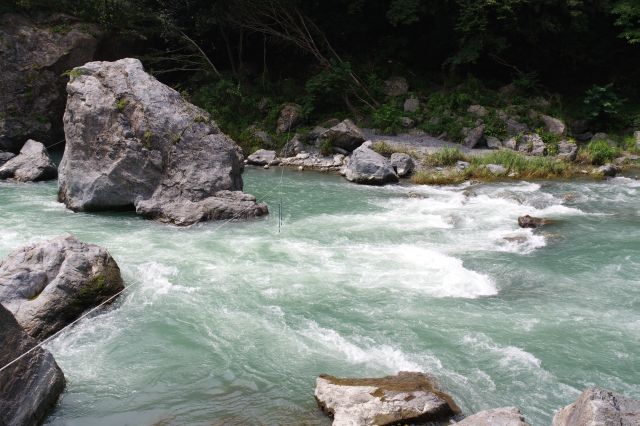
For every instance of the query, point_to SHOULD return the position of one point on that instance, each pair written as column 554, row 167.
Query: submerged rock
column 34, row 54
column 365, row 166
column 31, row 165
column 506, row 416
column 599, row 407
column 406, row 397
column 133, row 142
column 262, row 157
column 30, row 387
column 49, row 284
column 345, row 135
column 402, row 163
column 527, row 221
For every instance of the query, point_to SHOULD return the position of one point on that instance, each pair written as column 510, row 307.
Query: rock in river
column 30, row 386
column 367, row 167
column 263, row 157
column 49, row 284
column 345, row 135
column 527, row 221
column 599, row 407
column 402, row 163
column 507, row 416
column 133, row 142
column 31, row 165
column 406, row 397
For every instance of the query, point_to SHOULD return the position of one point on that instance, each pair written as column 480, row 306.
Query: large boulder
column 567, row 151
column 293, row 147
column 262, row 157
column 474, row 136
column 365, row 166
column 402, row 163
column 133, row 142
column 289, row 118
column 411, row 105
column 599, row 407
column 31, row 165
column 31, row 386
column 553, row 125
column 506, row 416
column 34, row 54
column 407, row 397
column 532, row 144
column 50, row 284
column 345, row 135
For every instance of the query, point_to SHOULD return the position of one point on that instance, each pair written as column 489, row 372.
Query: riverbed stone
column 506, row 416
column 365, row 166
column 293, row 147
column 474, row 136
column 49, row 284
column 496, row 169
column 406, row 397
column 532, row 144
column 599, row 407
column 31, row 165
column 514, row 127
column 262, row 157
column 567, row 151
column 289, row 117
column 402, row 163
column 493, row 142
column 30, row 387
column 411, row 105
column 608, row 170
column 553, row 125
column 636, row 136
column 35, row 52
column 345, row 135
column 477, row 110
column 527, row 221
column 135, row 143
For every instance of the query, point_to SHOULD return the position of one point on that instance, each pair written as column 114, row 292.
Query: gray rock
column 289, row 118
column 31, row 386
column 474, row 136
column 34, row 54
column 133, row 142
column 293, row 147
column 5, row 156
column 317, row 132
column 493, row 142
column 567, row 151
column 553, row 125
column 262, row 157
column 462, row 165
column 532, row 144
column 511, row 143
column 411, row 105
column 315, row 161
column 636, row 136
column 402, row 163
column 608, row 170
column 496, row 169
column 601, row 136
column 260, row 136
column 405, row 398
column 345, row 135
column 407, row 122
column 527, row 221
column 477, row 110
column 584, row 137
column 365, row 166
column 396, row 86
column 515, row 128
column 599, row 407
column 31, row 165
column 506, row 416
column 49, row 284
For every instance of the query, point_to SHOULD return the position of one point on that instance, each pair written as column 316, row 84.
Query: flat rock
column 345, row 135
column 406, row 397
column 49, row 284
column 402, row 163
column 262, row 157
column 31, row 165
column 35, row 52
column 135, row 143
column 506, row 416
column 599, row 407
column 365, row 166
column 31, row 386
column 315, row 161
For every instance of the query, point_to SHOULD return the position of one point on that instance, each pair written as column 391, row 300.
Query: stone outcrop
column 599, row 407
column 402, row 163
column 31, row 165
column 34, row 54
column 474, row 136
column 532, row 144
column 407, row 397
column 293, row 147
column 365, row 166
column 345, row 135
column 49, row 284
column 31, row 386
column 289, row 118
column 507, row 416
column 263, row 157
column 133, row 142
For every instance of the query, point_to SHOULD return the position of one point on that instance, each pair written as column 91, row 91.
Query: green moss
column 147, row 139
column 121, row 104
column 75, row 73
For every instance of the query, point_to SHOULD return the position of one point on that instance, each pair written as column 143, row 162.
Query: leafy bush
column 602, row 103
column 387, row 118
column 326, row 147
column 599, row 152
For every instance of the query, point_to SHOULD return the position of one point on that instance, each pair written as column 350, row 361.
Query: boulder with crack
column 50, row 284
column 407, row 397
column 135, row 143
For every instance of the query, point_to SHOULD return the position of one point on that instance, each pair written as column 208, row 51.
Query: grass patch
column 599, row 152
column 446, row 157
column 386, row 150
column 525, row 167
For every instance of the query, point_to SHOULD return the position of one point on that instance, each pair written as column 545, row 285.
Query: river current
column 230, row 323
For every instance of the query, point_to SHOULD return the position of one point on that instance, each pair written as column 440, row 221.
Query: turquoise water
column 231, row 323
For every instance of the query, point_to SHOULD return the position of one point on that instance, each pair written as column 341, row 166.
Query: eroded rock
column 506, row 416
column 49, row 284
column 30, row 387
column 365, row 166
column 133, row 142
column 406, row 397
column 599, row 407
column 31, row 165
